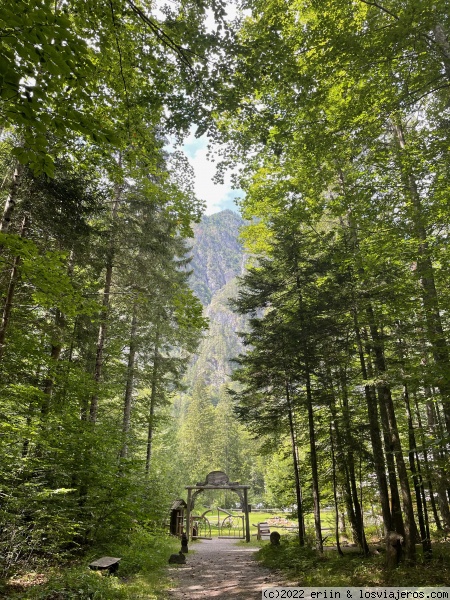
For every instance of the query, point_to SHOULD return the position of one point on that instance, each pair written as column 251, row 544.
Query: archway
column 217, row 480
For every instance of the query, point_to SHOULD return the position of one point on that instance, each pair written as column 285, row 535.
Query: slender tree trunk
column 377, row 447
column 301, row 516
column 343, row 467
column 414, row 464
column 425, row 271
column 314, row 469
column 427, row 466
column 422, row 514
column 101, row 338
column 383, row 392
column 55, row 353
column 346, row 463
column 298, row 489
column 369, row 390
column 443, row 450
column 102, row 330
column 312, row 441
column 26, row 442
column 386, row 401
column 396, row 507
column 441, row 485
column 349, row 497
column 7, row 307
column 351, row 468
column 151, row 416
column 10, row 203
column 336, row 505
column 93, row 408
column 128, row 399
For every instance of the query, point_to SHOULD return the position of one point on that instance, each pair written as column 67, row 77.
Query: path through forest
column 220, row 569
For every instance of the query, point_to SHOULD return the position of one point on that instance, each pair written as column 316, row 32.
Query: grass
column 327, row 517
column 142, row 574
column 306, row 567
column 143, row 570
column 254, row 518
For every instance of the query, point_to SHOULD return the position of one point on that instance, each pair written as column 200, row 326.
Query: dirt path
column 220, row 569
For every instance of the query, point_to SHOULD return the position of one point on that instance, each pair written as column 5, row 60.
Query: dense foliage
column 337, row 111
column 336, row 114
column 98, row 322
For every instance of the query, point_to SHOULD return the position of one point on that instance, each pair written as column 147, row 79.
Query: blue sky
column 217, row 197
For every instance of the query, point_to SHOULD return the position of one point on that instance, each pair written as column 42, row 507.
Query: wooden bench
column 263, row 531
column 106, row 562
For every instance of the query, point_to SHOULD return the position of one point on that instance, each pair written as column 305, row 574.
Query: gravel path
column 220, row 569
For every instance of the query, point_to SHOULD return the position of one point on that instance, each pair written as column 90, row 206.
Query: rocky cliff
column 218, row 258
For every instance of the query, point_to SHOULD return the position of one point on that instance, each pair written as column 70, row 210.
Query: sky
column 217, row 196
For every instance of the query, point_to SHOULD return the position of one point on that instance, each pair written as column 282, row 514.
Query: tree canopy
column 335, row 115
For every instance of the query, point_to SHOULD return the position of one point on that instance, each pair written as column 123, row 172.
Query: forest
column 332, row 387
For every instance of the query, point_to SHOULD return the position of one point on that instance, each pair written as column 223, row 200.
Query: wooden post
column 247, row 522
column 188, row 517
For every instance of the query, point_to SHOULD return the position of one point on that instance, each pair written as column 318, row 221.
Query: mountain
column 217, row 254
column 217, row 260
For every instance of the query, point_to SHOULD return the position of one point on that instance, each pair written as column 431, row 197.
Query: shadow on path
column 220, row 569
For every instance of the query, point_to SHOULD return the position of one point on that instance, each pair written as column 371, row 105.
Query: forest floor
column 222, row 569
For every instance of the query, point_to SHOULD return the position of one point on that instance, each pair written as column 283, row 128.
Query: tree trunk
column 414, row 464
column 336, row 505
column 396, row 507
column 102, row 330
column 386, row 401
column 377, row 447
column 55, row 353
column 351, row 468
column 425, row 271
column 7, row 307
column 152, row 405
column 358, row 536
column 314, row 470
column 298, row 489
column 10, row 203
column 441, row 487
column 301, row 516
column 93, row 408
column 427, row 466
column 346, row 464
column 128, row 399
column 369, row 390
column 422, row 513
column 31, row 410
column 312, row 441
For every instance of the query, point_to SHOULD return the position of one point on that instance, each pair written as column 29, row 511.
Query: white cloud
column 217, row 196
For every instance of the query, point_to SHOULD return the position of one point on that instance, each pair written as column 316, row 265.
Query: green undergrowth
column 306, row 567
column 141, row 574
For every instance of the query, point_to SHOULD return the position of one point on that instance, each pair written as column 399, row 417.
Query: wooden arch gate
column 217, row 480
